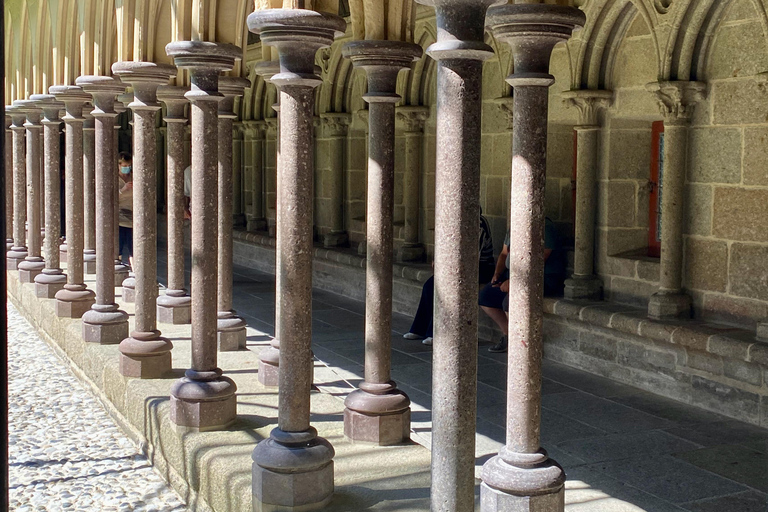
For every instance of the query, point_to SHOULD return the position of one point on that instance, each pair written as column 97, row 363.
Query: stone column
column 293, row 468
column 19, row 250
column 203, row 399
column 378, row 412
column 8, row 182
column 89, row 195
column 230, row 327
column 266, row 70
column 238, row 210
column 676, row 102
column 33, row 264
column 105, row 323
column 254, row 153
column 459, row 52
column 52, row 279
column 413, row 117
column 584, row 284
column 522, row 477
column 75, row 299
column 336, row 125
column 269, row 358
column 175, row 306
column 145, row 354
column 123, row 276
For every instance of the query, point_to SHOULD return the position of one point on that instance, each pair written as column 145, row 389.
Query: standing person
column 422, row 322
column 494, row 297
column 125, row 217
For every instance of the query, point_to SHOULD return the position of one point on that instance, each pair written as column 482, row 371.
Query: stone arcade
column 343, row 145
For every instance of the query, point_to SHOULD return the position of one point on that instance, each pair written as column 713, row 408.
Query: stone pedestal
column 89, row 195
column 52, row 279
column 175, row 307
column 230, row 328
column 204, row 399
column 522, row 477
column 378, row 412
column 336, row 125
column 676, row 102
column 19, row 249
column 294, row 455
column 75, row 299
column 8, row 152
column 145, row 354
column 413, row 119
column 105, row 323
column 33, row 264
column 584, row 284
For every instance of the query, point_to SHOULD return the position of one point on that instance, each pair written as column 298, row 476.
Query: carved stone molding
column 254, row 129
column 589, row 102
column 271, row 125
column 677, row 99
column 413, row 117
column 335, row 124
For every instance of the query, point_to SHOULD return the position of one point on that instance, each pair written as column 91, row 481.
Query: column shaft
column 89, row 195
column 413, row 117
column 336, row 126
column 672, row 207
column 586, row 199
column 19, row 250
column 8, row 152
column 33, row 264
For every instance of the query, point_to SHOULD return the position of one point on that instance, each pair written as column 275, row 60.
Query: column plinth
column 19, row 249
column 33, row 264
column 8, row 182
column 52, row 278
column 145, row 354
column 336, row 126
column 204, row 399
column 378, row 412
column 522, row 477
column 89, row 195
column 676, row 102
column 230, row 327
column 105, row 323
column 293, row 469
column 413, row 118
column 75, row 298
column 175, row 306
column 584, row 284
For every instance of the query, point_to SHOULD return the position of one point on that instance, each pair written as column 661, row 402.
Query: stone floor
column 66, row 453
column 623, row 449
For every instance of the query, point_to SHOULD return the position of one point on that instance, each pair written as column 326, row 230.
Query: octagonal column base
column 29, row 269
column 105, row 324
column 535, row 483
column 493, row 500
column 121, row 273
column 174, row 309
column 337, row 239
column 145, row 355
column 230, row 332
column 411, row 253
column 129, row 290
column 665, row 306
column 203, row 405
column 49, row 283
column 13, row 258
column 269, row 367
column 63, row 253
column 73, row 301
column 380, row 429
column 89, row 262
column 583, row 287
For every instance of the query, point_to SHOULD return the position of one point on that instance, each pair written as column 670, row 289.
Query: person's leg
column 129, row 236
column 491, row 301
column 123, row 244
column 499, row 317
column 422, row 321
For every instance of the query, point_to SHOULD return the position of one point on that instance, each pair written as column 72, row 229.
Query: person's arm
column 501, row 265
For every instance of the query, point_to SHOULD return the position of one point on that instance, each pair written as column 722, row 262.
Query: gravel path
column 66, row 453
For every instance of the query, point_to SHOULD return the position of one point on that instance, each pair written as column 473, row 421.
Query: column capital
column 254, row 128
column 74, row 99
column 104, row 90
column 506, row 106
column 231, row 87
column 589, row 102
column 205, row 60
column 267, row 69
column 382, row 62
column 175, row 102
column 677, row 99
column 462, row 26
column 335, row 124
column 144, row 78
column 17, row 115
column 413, row 117
column 32, row 111
column 50, row 106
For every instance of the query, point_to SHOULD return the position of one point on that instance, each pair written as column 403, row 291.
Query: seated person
column 422, row 322
column 494, row 297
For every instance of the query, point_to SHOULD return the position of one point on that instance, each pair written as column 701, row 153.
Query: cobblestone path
column 66, row 453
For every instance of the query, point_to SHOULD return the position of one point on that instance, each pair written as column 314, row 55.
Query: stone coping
column 718, row 339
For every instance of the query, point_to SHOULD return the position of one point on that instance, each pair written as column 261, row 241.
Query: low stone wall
column 716, row 367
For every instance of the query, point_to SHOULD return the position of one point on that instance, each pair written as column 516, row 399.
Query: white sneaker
column 427, row 341
column 411, row 336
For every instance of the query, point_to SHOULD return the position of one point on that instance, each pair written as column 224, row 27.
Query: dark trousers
column 126, row 244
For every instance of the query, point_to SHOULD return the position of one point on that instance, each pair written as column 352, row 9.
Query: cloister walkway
column 623, row 449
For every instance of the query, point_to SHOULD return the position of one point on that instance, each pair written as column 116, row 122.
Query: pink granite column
column 105, row 323
column 52, row 279
column 254, row 154
column 89, row 195
column 230, row 327
column 413, row 117
column 33, row 264
column 459, row 52
column 522, row 477
column 124, row 278
column 19, row 250
column 174, row 307
column 337, row 124
column 8, row 182
column 293, row 468
column 75, row 299
column 203, row 399
column 145, row 354
column 378, row 412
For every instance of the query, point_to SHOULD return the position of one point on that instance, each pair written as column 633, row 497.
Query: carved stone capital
column 589, row 102
column 254, row 129
column 413, row 117
column 335, row 124
column 506, row 106
column 677, row 99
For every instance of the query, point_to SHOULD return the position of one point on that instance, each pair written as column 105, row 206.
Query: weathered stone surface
column 737, row 102
column 597, row 345
column 706, row 264
column 740, row 214
column 714, row 155
column 617, row 201
column 648, row 270
column 716, row 396
column 630, row 291
column 733, row 310
column 629, row 154
column 692, row 337
column 698, row 209
column 646, row 358
column 750, row 373
column 556, row 332
column 705, row 362
column 754, row 170
column 728, row 58
column 746, row 273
